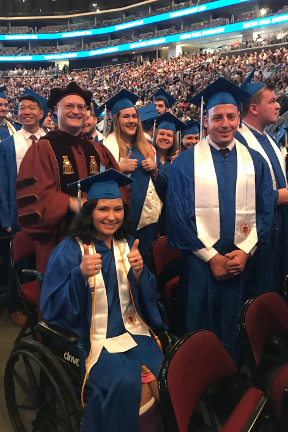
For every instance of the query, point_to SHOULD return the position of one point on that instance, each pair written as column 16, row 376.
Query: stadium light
column 263, row 12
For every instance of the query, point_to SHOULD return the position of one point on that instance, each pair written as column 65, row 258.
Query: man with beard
column 90, row 130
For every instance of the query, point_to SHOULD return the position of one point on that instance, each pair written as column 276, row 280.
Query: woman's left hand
column 135, row 260
column 175, row 155
column 149, row 165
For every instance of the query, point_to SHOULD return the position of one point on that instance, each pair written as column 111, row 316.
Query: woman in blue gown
column 88, row 269
column 136, row 157
column 167, row 149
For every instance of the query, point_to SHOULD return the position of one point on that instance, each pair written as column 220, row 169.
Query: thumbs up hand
column 128, row 164
column 91, row 264
column 148, row 164
column 135, row 260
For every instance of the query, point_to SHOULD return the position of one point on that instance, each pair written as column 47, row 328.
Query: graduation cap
column 122, row 100
column 147, row 115
column 58, row 93
column 169, row 122
column 2, row 94
column 97, row 110
column 162, row 94
column 41, row 99
column 55, row 118
column 220, row 92
column 251, row 88
column 104, row 185
column 192, row 128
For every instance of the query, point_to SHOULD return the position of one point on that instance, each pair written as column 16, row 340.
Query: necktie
column 33, row 138
column 224, row 152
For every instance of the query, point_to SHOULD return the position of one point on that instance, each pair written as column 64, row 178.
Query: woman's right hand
column 91, row 264
column 127, row 164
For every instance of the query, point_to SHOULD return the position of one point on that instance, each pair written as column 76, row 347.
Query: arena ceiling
column 44, row 7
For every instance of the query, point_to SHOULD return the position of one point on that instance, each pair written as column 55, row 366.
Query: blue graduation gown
column 162, row 186
column 204, row 302
column 8, row 177
column 269, row 266
column 67, row 301
column 139, row 188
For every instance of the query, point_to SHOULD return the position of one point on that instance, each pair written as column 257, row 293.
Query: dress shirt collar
column 27, row 134
column 230, row 147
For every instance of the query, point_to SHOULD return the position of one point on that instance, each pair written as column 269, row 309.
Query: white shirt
column 27, row 135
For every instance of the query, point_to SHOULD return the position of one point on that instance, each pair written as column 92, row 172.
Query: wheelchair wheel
column 39, row 395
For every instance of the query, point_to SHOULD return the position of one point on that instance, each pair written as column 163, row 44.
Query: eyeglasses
column 71, row 106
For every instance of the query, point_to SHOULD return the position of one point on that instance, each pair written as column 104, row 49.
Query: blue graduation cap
column 104, row 185
column 97, row 110
column 192, row 128
column 2, row 94
column 251, row 88
column 147, row 115
column 169, row 122
column 220, row 92
column 41, row 99
column 122, row 100
column 55, row 118
column 162, row 94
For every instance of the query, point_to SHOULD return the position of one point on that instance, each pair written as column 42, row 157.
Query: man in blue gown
column 32, row 112
column 269, row 266
column 163, row 101
column 219, row 207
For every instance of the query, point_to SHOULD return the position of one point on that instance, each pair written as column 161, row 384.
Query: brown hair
column 257, row 98
column 172, row 150
column 91, row 109
column 140, row 142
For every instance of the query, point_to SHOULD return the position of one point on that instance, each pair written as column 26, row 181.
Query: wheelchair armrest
column 58, row 332
column 32, row 273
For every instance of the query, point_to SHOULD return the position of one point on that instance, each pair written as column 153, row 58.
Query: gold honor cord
column 9, row 127
column 93, row 319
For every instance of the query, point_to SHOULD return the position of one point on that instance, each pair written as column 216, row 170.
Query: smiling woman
column 137, row 158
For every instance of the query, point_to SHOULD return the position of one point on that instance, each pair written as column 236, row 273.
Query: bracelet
column 157, row 173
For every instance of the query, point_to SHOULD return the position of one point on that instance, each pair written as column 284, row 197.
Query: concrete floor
column 8, row 334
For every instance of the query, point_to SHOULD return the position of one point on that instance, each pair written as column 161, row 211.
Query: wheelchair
column 43, row 381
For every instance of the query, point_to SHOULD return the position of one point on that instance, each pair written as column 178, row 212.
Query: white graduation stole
column 255, row 145
column 152, row 206
column 131, row 321
column 207, row 201
column 111, row 143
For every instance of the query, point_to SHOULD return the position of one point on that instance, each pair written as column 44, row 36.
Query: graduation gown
column 67, row 301
column 42, row 193
column 12, row 152
column 162, row 186
column 148, row 234
column 204, row 302
column 269, row 265
column 8, row 129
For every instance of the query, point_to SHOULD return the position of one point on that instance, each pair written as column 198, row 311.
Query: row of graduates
column 46, row 206
column 212, row 214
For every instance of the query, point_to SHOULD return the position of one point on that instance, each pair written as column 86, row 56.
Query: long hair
column 172, row 150
column 140, row 142
column 82, row 226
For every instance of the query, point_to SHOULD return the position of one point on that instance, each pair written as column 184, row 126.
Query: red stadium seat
column 165, row 265
column 263, row 324
column 22, row 246
column 197, row 361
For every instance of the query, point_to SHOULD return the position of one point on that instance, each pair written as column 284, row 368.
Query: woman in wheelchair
column 97, row 286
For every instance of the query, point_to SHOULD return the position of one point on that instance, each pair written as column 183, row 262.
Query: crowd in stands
column 181, row 76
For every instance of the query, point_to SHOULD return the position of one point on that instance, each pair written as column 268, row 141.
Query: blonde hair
column 140, row 142
column 172, row 150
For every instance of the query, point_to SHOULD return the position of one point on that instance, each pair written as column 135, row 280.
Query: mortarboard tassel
column 241, row 110
column 79, row 197
column 105, row 122
column 201, row 119
column 154, row 131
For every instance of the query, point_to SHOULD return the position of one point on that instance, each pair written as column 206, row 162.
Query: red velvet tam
column 58, row 93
